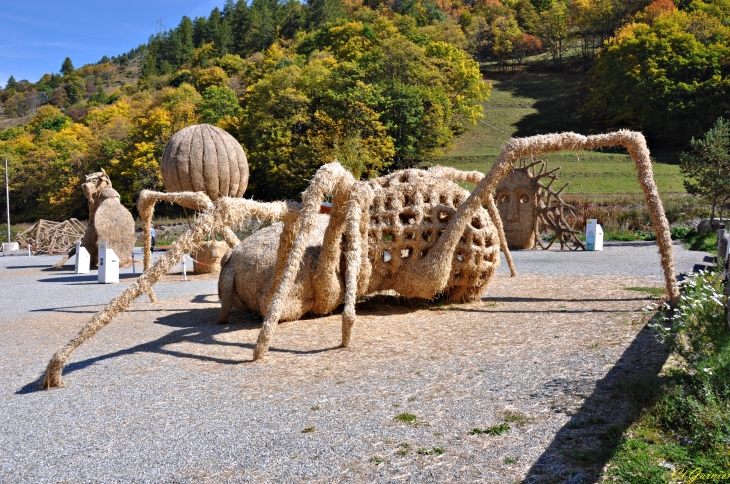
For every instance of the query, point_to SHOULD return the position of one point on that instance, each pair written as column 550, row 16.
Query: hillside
column 378, row 86
column 530, row 102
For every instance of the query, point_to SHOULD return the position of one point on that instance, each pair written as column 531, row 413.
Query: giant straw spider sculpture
column 442, row 240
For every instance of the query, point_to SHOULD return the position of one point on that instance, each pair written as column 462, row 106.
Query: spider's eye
column 524, row 198
column 504, row 199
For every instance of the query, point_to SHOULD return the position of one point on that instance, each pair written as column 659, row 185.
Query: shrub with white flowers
column 696, row 327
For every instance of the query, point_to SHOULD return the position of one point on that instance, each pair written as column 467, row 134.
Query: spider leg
column 224, row 212
column 475, row 177
column 190, row 240
column 497, row 220
column 328, row 285
column 226, row 289
column 324, row 182
column 517, row 148
column 230, row 236
column 362, row 197
column 146, row 208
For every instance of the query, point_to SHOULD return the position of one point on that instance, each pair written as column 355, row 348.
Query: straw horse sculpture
column 109, row 221
column 459, row 259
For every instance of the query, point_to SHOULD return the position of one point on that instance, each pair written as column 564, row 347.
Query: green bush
column 680, row 232
column 687, row 424
column 13, row 232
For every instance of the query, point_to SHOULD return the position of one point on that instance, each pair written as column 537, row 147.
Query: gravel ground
column 165, row 395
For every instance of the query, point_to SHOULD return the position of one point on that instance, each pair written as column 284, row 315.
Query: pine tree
column 11, row 83
column 240, row 21
column 707, row 168
column 67, row 67
column 185, row 32
column 200, row 31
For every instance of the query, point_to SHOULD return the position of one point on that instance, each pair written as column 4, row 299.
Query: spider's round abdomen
column 411, row 210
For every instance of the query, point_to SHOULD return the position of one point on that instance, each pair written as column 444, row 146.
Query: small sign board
column 108, row 264
column 83, row 260
column 594, row 235
column 11, row 247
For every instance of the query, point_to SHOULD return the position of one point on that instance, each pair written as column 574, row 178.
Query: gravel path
column 165, row 395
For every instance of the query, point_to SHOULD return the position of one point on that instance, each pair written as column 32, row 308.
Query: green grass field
column 526, row 103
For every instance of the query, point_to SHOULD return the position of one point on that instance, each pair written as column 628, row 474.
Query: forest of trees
column 379, row 85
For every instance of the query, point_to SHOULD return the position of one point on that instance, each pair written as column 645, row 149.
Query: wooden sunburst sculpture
column 529, row 207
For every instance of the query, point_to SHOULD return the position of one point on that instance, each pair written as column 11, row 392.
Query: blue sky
column 36, row 36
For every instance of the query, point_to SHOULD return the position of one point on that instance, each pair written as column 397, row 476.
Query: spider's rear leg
column 226, row 288
column 361, row 197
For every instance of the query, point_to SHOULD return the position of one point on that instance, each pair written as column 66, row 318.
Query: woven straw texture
column 204, row 158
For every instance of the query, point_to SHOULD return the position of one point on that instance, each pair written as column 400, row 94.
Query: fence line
column 723, row 246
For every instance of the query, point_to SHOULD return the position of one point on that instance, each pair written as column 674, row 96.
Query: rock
column 704, row 225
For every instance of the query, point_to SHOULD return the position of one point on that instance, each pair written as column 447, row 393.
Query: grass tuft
column 407, row 418
column 500, row 429
column 514, row 417
column 655, row 292
column 431, row 451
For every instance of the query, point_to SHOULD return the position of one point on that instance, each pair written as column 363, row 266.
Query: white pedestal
column 83, row 260
column 11, row 247
column 594, row 235
column 108, row 265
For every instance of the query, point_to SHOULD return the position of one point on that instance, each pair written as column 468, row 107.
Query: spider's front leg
column 328, row 178
column 146, row 207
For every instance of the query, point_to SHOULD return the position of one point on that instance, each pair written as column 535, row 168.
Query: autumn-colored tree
column 211, row 76
column 218, row 102
column 667, row 79
column 657, row 8
column 554, row 31
column 377, row 89
column 75, row 89
column 50, row 118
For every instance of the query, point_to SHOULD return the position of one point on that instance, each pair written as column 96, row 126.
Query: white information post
column 108, row 265
column 83, row 259
column 594, row 235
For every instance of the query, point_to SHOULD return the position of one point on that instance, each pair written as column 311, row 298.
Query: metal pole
column 7, row 197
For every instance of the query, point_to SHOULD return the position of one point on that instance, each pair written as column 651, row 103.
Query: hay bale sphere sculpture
column 414, row 231
column 200, row 164
column 529, row 206
column 204, row 158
